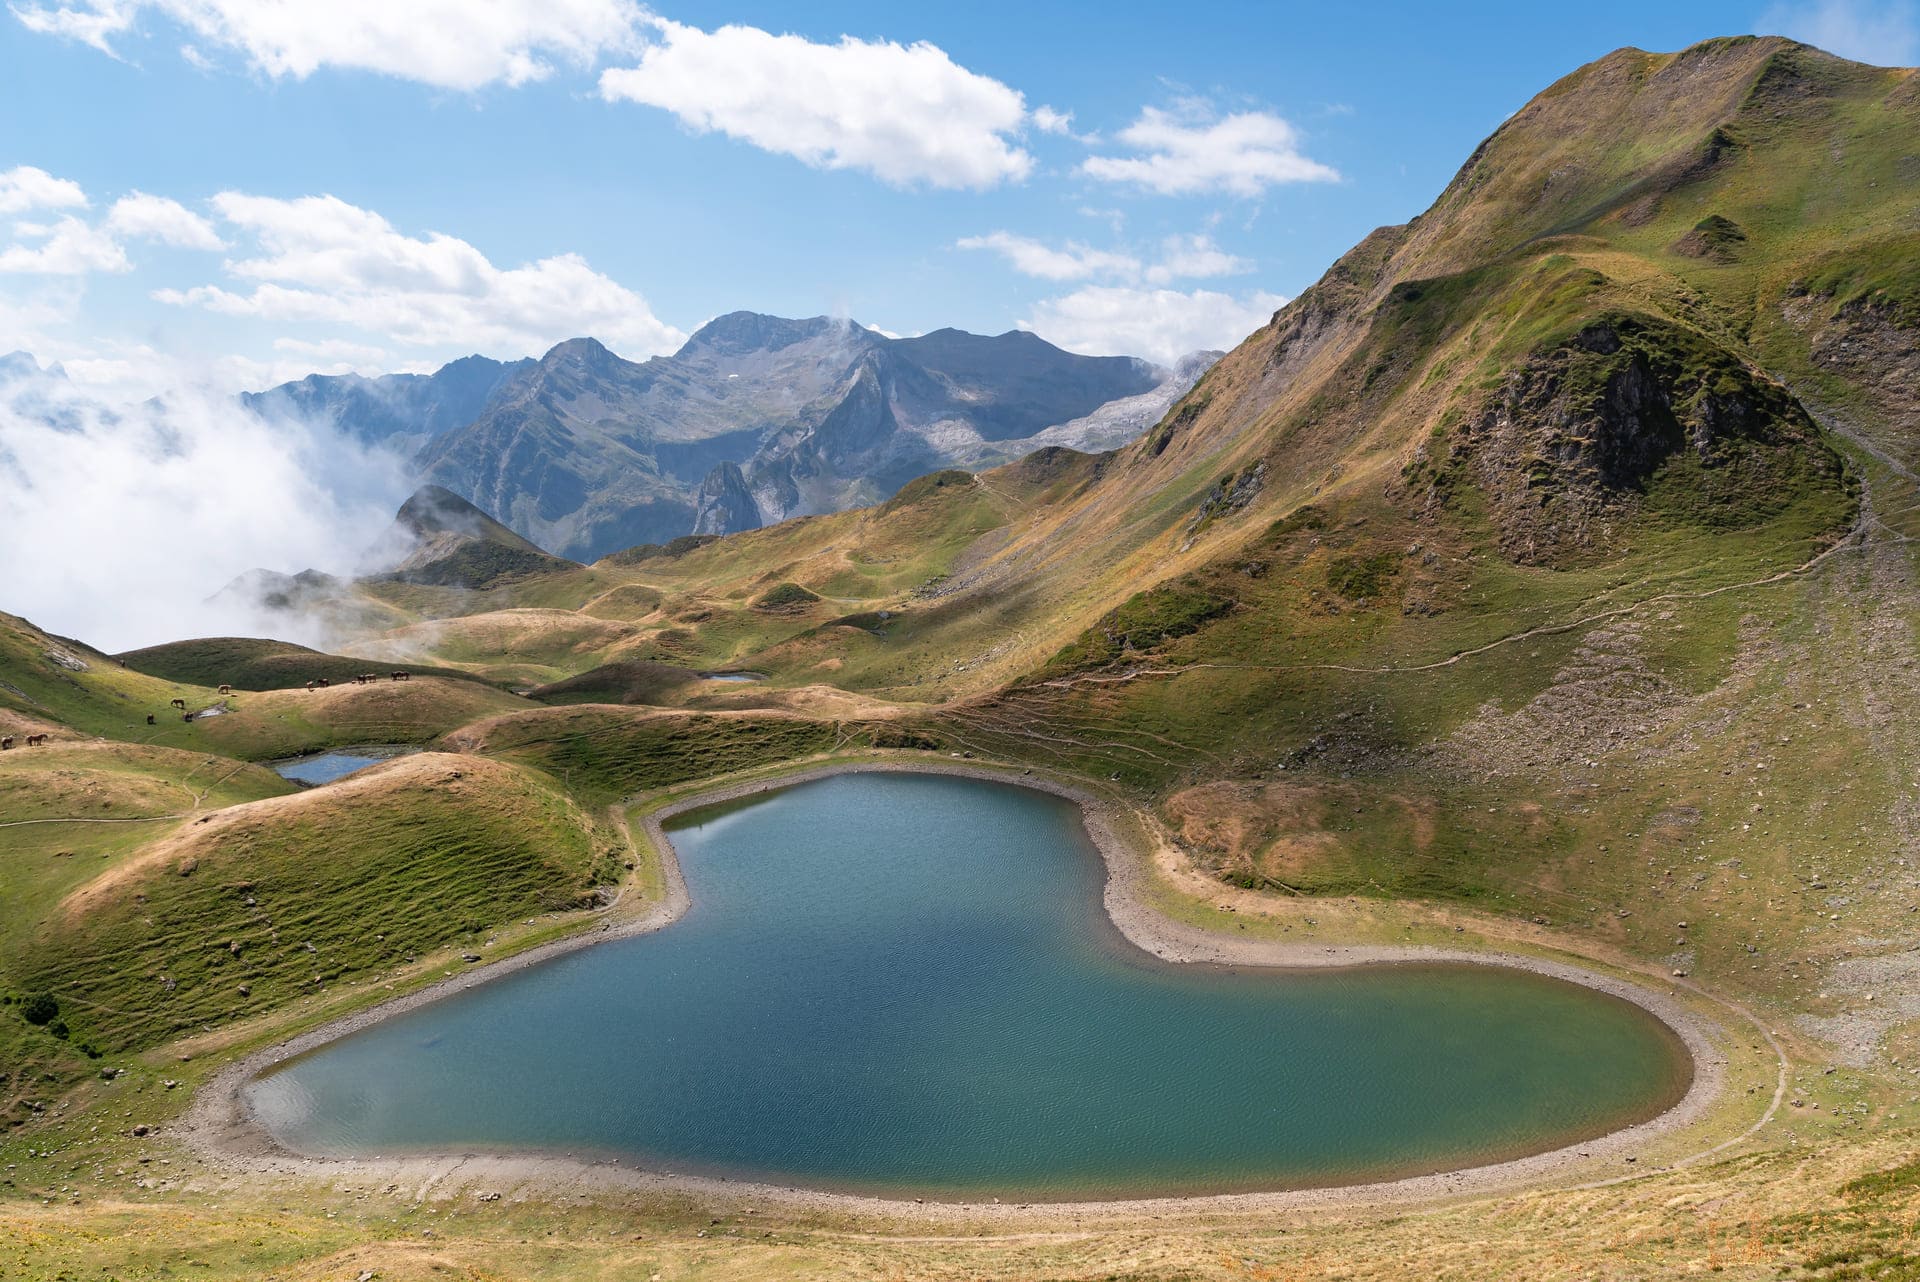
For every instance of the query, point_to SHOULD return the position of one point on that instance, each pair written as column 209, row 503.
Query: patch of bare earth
column 1874, row 982
column 1603, row 700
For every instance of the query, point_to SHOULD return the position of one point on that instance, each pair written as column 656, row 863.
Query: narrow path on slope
column 1855, row 541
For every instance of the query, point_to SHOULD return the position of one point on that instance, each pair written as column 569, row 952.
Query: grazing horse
column 35, row 740
column 401, row 676
column 180, row 704
column 150, row 720
column 324, row 683
column 6, row 742
column 186, row 716
column 226, row 689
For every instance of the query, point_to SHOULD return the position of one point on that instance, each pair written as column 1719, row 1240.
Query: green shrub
column 1359, row 578
column 785, row 596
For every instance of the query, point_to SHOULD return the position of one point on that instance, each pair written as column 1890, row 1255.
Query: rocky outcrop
column 725, row 504
column 1577, row 436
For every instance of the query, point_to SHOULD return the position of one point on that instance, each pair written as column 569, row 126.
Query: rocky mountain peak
column 741, row 333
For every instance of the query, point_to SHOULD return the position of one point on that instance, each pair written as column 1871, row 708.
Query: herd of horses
column 180, row 705
column 362, row 679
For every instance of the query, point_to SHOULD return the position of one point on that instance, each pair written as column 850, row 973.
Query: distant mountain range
column 756, row 419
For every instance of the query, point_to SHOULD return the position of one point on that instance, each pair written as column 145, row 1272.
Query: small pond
column 324, row 767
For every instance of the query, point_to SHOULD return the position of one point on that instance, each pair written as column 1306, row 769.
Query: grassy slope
column 71, row 811
column 285, row 896
column 250, row 663
column 39, row 683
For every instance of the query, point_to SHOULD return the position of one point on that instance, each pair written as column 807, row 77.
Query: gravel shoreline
column 220, row 1129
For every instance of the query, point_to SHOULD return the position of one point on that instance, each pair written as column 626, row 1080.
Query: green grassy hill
column 258, row 905
column 254, row 663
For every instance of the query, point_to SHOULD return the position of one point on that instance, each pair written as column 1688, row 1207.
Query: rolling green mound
column 254, row 663
column 636, row 682
column 72, row 811
column 606, row 753
column 52, row 679
column 258, row 905
column 284, row 723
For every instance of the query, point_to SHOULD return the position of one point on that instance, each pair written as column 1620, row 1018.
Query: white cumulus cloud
column 140, row 216
column 1160, row 324
column 1190, row 257
column 450, row 44
column 1050, row 121
column 24, row 187
column 908, row 114
column 1884, row 34
column 1031, row 257
column 1191, row 151
column 319, row 259
column 68, row 247
column 1194, row 257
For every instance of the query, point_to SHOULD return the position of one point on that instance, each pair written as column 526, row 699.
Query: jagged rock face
column 725, row 504
column 1871, row 346
column 404, row 411
column 590, row 453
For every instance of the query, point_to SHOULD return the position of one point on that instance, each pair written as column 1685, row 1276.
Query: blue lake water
column 906, row 983
column 325, row 767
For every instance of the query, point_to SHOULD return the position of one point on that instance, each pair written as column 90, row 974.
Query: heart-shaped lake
column 906, row 983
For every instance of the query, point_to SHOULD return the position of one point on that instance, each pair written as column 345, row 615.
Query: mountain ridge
column 587, row 451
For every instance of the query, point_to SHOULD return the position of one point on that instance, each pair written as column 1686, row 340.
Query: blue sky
column 239, row 192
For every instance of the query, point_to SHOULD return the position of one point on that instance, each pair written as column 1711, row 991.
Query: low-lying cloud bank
column 122, row 521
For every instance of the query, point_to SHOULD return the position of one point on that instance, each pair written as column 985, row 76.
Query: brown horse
column 35, row 740
column 180, row 704
column 402, row 676
column 186, row 716
column 6, row 741
column 226, row 689
column 150, row 720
